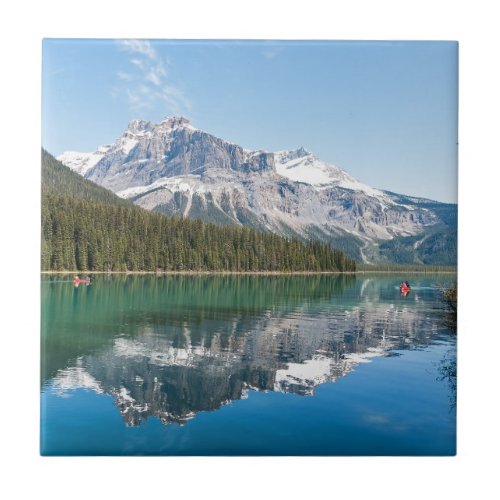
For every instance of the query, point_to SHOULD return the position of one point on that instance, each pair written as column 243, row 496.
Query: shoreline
column 242, row 273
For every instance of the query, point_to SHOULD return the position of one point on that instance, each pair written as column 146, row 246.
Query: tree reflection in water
column 448, row 372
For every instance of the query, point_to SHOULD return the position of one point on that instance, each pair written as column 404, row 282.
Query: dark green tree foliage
column 57, row 178
column 89, row 235
column 88, row 228
column 435, row 249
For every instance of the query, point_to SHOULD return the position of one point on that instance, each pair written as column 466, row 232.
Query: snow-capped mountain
column 174, row 168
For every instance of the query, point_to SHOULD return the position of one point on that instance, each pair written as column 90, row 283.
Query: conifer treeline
column 93, row 236
column 58, row 178
column 81, row 233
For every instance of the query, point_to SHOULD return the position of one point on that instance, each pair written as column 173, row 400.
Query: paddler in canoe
column 405, row 287
column 77, row 280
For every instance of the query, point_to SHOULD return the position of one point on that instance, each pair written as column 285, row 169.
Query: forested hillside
column 59, row 179
column 88, row 228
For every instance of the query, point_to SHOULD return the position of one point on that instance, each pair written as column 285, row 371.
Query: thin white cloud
column 139, row 63
column 153, row 78
column 139, row 47
column 157, row 73
column 176, row 98
column 145, row 83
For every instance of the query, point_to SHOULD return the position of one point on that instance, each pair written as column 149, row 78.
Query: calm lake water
column 247, row 365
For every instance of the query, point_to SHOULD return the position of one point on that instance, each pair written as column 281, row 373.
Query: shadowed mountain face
column 174, row 346
column 173, row 168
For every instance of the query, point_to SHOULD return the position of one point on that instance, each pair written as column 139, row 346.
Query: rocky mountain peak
column 175, row 122
column 293, row 154
column 300, row 152
column 174, row 168
column 139, row 126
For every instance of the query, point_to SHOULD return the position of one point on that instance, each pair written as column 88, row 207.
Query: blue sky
column 384, row 111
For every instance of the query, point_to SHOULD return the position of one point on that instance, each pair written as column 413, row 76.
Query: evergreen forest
column 88, row 228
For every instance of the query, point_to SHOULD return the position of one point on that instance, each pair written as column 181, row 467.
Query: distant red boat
column 405, row 290
column 78, row 280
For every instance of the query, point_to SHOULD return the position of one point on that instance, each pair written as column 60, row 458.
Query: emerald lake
column 247, row 365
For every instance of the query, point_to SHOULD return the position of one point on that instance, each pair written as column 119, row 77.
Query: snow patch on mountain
column 128, row 143
column 302, row 166
column 185, row 183
column 83, row 162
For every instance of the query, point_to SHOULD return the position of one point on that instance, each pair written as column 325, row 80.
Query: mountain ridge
column 177, row 169
column 88, row 228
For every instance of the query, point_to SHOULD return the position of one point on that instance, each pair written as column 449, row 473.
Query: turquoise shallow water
column 246, row 365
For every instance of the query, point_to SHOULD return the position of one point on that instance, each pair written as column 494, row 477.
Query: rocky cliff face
column 174, row 168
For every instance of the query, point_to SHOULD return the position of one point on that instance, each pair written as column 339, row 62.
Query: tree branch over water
column 450, row 296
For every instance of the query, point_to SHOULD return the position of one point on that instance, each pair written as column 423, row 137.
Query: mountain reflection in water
column 172, row 346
